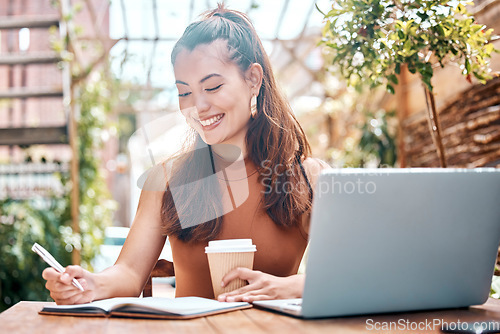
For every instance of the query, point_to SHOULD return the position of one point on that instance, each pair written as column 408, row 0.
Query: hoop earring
column 253, row 107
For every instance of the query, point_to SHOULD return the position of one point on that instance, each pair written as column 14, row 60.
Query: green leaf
column 319, row 10
column 479, row 76
column 411, row 68
column 489, row 48
column 467, row 66
column 440, row 30
column 428, row 69
column 423, row 16
column 390, row 89
column 393, row 79
column 407, row 47
column 427, row 81
column 476, row 27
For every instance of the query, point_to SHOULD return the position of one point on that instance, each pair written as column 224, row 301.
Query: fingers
column 61, row 285
column 72, row 297
column 250, row 296
column 53, row 279
column 58, row 286
column 72, row 272
column 61, row 295
column 256, row 280
column 229, row 296
column 238, row 273
column 263, row 287
column 241, row 273
column 50, row 274
column 69, row 294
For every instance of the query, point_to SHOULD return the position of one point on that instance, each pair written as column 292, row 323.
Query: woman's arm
column 139, row 253
column 130, row 272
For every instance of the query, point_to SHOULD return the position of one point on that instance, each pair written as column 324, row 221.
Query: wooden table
column 24, row 318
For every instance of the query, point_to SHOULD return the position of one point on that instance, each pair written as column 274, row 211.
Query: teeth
column 211, row 120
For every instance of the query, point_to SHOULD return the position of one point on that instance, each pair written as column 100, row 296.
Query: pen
column 47, row 257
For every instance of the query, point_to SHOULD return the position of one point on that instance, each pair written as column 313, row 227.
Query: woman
column 229, row 97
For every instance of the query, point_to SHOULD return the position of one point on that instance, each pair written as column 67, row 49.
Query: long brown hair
column 275, row 141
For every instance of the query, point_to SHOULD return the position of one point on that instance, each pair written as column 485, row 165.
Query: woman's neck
column 230, row 152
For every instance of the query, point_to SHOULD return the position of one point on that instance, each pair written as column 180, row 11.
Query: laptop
column 394, row 240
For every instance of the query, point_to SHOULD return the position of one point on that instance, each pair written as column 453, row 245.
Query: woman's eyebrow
column 201, row 81
column 209, row 76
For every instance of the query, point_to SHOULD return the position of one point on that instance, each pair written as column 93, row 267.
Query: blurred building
column 33, row 116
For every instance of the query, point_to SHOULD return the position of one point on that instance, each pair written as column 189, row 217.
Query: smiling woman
column 242, row 127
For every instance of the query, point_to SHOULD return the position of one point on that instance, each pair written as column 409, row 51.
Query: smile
column 211, row 120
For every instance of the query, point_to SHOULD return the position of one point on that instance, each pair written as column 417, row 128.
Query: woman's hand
column 62, row 289
column 261, row 286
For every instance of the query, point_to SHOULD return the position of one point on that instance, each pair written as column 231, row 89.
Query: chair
column 163, row 268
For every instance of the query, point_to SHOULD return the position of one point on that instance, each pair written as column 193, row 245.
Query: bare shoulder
column 315, row 163
column 155, row 178
column 313, row 167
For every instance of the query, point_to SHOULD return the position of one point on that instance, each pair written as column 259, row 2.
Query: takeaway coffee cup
column 226, row 255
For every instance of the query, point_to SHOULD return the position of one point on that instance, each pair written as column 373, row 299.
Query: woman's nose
column 201, row 103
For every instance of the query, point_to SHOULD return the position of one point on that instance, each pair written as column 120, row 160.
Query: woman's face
column 214, row 95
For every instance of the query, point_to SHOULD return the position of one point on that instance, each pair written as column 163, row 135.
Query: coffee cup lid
column 230, row 246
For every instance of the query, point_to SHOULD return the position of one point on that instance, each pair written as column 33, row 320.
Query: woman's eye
column 213, row 89
column 184, row 94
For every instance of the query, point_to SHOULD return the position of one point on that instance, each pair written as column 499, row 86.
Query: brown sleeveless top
column 279, row 250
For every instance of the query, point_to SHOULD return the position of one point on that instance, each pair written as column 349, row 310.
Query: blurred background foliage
column 348, row 129
column 371, row 39
column 47, row 221
column 22, row 224
column 376, row 142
